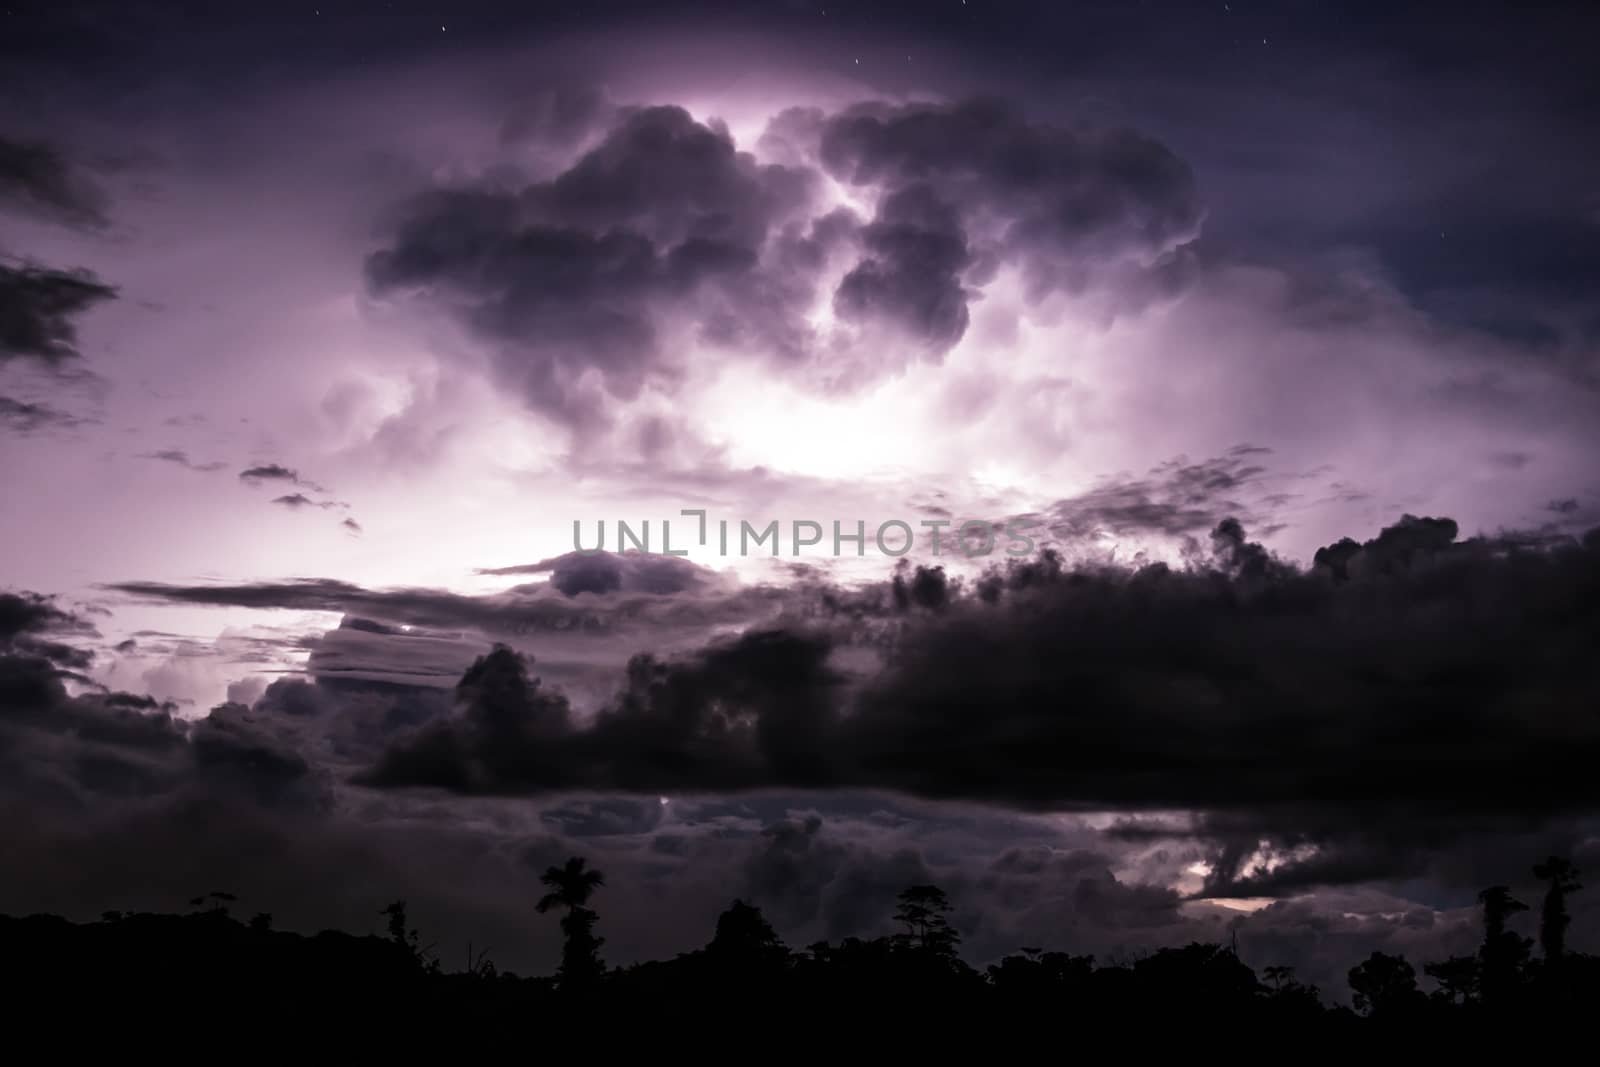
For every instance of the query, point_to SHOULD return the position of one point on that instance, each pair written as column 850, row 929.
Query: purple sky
column 394, row 299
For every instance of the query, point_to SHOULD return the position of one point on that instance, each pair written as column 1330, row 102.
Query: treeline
column 135, row 969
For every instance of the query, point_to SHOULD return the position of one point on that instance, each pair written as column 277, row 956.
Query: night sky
column 1275, row 324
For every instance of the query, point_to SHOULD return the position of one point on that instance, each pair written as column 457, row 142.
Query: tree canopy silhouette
column 923, row 910
column 1384, row 986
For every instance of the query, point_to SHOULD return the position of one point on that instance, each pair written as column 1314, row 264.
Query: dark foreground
column 165, row 976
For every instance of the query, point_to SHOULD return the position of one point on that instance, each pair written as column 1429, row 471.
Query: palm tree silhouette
column 571, row 885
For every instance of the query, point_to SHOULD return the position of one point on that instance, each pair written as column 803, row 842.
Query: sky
column 1256, row 341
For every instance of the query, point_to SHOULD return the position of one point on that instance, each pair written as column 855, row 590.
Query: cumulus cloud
column 586, row 596
column 1238, row 681
column 275, row 472
column 739, row 716
column 104, row 768
column 68, row 752
column 38, row 309
column 34, row 626
column 1415, row 681
column 572, row 281
column 1067, row 205
column 910, row 276
column 665, row 235
column 615, row 572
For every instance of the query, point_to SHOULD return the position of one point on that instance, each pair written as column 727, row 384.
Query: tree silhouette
column 1289, row 992
column 1383, row 986
column 745, row 938
column 571, row 885
column 1553, row 917
column 215, row 903
column 396, row 914
column 922, row 910
column 1042, row 974
column 129, row 961
column 479, row 965
column 1503, row 951
column 838, row 989
column 1459, row 978
column 402, row 935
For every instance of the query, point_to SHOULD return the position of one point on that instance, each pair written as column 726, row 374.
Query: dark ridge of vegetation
column 207, row 965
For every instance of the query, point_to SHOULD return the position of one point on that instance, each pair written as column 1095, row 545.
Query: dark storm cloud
column 675, row 180
column 60, row 747
column 340, row 721
column 137, row 805
column 803, row 873
column 534, row 608
column 1416, row 675
column 604, row 816
column 728, row 719
column 1434, row 670
column 296, row 501
column 31, row 624
column 1178, row 498
column 410, row 606
column 665, row 229
column 371, row 652
column 36, row 179
column 1063, row 204
column 579, row 273
column 1323, row 851
column 275, row 472
column 22, row 417
column 109, row 796
column 611, row 572
column 70, row 750
column 38, row 308
column 911, row 276
column 113, row 783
